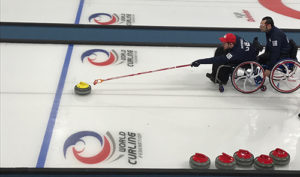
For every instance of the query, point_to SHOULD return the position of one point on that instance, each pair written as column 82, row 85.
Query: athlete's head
column 266, row 24
column 228, row 41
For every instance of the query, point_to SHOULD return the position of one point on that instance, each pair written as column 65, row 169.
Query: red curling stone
column 243, row 158
column 280, row 156
column 199, row 161
column 225, row 162
column 263, row 162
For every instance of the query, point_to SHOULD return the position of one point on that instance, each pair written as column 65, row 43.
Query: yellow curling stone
column 82, row 88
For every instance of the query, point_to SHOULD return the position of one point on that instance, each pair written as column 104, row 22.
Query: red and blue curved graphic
column 111, row 57
column 113, row 18
column 278, row 7
column 99, row 157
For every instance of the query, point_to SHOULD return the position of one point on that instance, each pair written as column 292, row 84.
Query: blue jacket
column 242, row 51
column 277, row 46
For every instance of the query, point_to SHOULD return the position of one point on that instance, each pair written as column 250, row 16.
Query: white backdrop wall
column 200, row 13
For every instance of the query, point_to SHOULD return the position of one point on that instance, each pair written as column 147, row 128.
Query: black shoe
column 209, row 75
column 224, row 83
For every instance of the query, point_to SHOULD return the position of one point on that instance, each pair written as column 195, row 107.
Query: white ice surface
column 177, row 112
column 28, row 81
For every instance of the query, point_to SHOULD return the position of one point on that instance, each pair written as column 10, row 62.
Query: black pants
column 219, row 72
column 264, row 59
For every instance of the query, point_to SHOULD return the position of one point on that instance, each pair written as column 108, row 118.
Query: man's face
column 227, row 45
column 263, row 26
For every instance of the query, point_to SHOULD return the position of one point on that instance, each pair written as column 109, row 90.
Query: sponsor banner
column 241, row 14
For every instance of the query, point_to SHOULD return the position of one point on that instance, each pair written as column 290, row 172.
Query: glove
column 195, row 64
column 257, row 46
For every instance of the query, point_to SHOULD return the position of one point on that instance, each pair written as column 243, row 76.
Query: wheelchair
column 249, row 76
column 285, row 76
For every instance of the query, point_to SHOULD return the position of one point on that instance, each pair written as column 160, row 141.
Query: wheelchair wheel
column 248, row 77
column 285, row 76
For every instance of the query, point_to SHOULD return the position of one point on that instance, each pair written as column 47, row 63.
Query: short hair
column 269, row 20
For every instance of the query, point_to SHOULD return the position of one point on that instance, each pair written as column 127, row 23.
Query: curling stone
column 280, row 156
column 199, row 161
column 263, row 162
column 225, row 162
column 243, row 158
column 82, row 88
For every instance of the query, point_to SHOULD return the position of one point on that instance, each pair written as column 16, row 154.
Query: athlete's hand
column 267, row 73
column 195, row 64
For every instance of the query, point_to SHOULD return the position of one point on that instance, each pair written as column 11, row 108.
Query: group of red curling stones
column 242, row 158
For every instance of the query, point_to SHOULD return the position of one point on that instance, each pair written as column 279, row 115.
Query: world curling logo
column 89, row 147
column 106, row 152
column 104, row 18
column 95, row 57
column 112, row 19
column 101, row 57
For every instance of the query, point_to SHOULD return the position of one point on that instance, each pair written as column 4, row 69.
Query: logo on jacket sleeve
column 274, row 43
column 228, row 56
